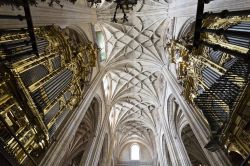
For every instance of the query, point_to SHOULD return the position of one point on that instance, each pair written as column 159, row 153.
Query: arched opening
column 193, row 148
column 82, row 141
column 135, row 152
column 125, row 154
column 101, row 44
column 235, row 158
column 186, row 32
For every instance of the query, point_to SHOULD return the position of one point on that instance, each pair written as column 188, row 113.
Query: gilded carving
column 50, row 86
column 200, row 73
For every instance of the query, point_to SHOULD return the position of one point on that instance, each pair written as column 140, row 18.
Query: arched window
column 101, row 44
column 135, row 152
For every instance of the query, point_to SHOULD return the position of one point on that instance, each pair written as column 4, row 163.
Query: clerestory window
column 135, row 152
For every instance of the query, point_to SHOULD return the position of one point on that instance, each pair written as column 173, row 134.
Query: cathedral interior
column 124, row 82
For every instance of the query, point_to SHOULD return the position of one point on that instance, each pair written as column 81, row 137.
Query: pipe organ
column 215, row 77
column 39, row 92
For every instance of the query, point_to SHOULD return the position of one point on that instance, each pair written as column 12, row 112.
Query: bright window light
column 106, row 85
column 135, row 152
column 101, row 45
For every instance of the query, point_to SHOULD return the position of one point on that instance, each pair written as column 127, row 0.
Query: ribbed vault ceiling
column 134, row 83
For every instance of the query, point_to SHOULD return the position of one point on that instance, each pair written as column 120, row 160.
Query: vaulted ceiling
column 134, row 83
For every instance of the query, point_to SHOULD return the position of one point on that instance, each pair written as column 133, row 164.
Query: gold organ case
column 37, row 92
column 225, row 109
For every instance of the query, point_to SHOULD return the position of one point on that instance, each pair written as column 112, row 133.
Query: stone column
column 178, row 154
column 109, row 155
column 111, row 150
column 97, row 145
column 88, row 152
column 177, row 140
column 158, row 145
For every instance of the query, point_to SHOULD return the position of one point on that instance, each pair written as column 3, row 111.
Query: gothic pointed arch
column 193, row 147
column 82, row 140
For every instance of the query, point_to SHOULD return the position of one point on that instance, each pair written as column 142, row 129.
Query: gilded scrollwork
column 189, row 66
column 223, row 23
column 218, row 23
column 210, row 79
column 51, row 86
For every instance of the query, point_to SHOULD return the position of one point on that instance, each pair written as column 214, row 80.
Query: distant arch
column 187, row 28
column 236, row 158
column 174, row 114
column 132, row 141
column 192, row 146
column 84, row 135
column 80, row 32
